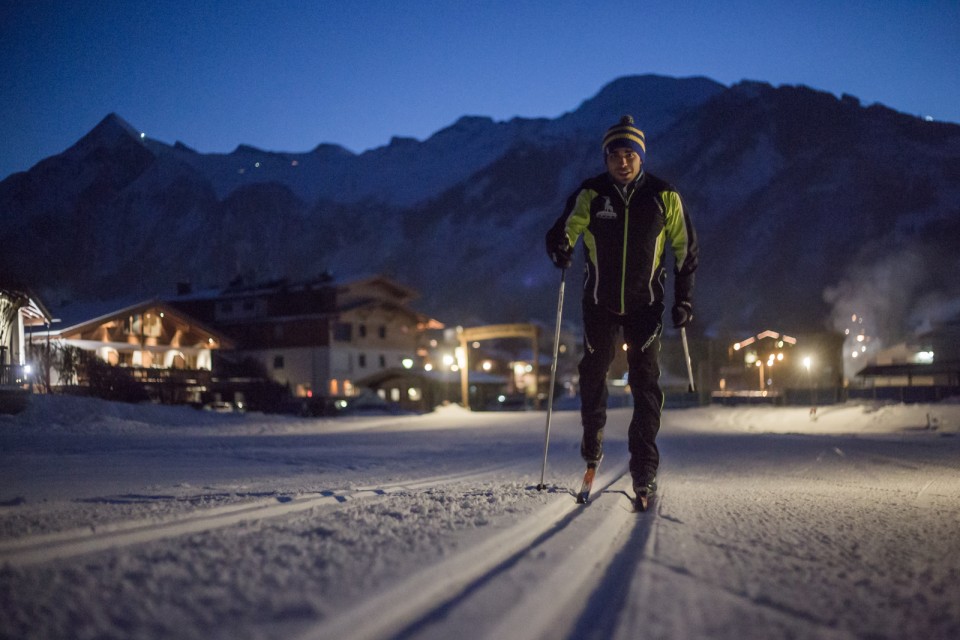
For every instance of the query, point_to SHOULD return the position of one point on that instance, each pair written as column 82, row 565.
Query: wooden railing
column 13, row 375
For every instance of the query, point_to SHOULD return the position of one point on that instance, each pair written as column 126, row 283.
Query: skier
column 628, row 219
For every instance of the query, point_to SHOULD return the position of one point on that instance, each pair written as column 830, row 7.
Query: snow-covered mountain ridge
column 799, row 198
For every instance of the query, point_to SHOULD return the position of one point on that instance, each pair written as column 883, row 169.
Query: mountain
column 809, row 209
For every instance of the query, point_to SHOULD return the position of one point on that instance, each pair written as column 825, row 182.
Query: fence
column 13, row 375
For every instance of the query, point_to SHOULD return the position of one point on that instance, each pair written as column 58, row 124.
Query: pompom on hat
column 625, row 135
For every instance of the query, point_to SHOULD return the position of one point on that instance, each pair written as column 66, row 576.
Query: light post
column 808, row 365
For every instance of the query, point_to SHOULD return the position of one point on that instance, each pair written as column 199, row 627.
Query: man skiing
column 628, row 219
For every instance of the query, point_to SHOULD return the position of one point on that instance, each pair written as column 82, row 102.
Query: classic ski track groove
column 42, row 548
column 396, row 611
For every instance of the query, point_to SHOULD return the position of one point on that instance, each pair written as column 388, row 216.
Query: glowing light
column 448, row 360
column 407, row 363
column 780, row 357
column 860, row 338
column 924, row 357
column 736, row 347
column 428, row 367
column 487, row 365
column 807, row 362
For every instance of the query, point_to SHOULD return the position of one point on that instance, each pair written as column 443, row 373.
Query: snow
column 140, row 521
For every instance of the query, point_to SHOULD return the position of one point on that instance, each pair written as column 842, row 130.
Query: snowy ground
column 121, row 521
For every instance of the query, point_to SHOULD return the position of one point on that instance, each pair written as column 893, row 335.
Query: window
column 343, row 332
column 362, row 360
column 383, row 331
column 148, row 325
column 278, row 362
column 362, row 330
column 383, row 361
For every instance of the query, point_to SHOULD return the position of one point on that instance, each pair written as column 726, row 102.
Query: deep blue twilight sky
column 286, row 75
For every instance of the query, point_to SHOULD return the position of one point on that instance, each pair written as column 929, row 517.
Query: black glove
column 682, row 314
column 559, row 249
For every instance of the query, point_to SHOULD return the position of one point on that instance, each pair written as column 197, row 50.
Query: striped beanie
column 624, row 134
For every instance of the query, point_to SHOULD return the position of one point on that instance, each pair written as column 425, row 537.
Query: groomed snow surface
column 122, row 521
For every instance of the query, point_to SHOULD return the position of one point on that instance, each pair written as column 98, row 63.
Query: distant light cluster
column 859, row 337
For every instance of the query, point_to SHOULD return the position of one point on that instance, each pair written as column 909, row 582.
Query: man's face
column 624, row 165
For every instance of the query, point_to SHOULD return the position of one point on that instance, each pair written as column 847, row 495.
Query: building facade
column 316, row 337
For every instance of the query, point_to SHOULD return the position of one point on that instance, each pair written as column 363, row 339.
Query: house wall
column 373, row 339
column 305, row 370
column 318, row 340
column 363, row 342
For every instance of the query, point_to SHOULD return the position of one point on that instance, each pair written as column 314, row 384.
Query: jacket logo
column 607, row 213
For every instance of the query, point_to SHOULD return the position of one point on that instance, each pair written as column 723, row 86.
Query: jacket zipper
column 623, row 264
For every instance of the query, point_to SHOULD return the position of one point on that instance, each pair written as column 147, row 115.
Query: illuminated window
column 149, row 325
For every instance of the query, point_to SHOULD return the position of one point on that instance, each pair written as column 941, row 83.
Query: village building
column 925, row 368
column 320, row 338
column 771, row 366
column 164, row 351
column 19, row 309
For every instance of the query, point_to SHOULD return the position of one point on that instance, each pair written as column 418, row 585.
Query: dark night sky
column 288, row 75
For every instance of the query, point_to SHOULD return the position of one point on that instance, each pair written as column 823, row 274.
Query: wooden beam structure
column 491, row 332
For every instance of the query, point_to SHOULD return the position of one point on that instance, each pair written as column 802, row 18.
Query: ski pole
column 553, row 380
column 686, row 355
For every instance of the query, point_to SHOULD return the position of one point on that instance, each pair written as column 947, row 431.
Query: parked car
column 220, row 406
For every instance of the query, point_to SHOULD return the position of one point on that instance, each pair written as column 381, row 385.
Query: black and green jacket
column 626, row 236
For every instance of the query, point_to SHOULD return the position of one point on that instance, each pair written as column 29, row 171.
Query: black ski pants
column 601, row 328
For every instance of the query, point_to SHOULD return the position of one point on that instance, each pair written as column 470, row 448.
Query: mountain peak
column 113, row 127
column 654, row 101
